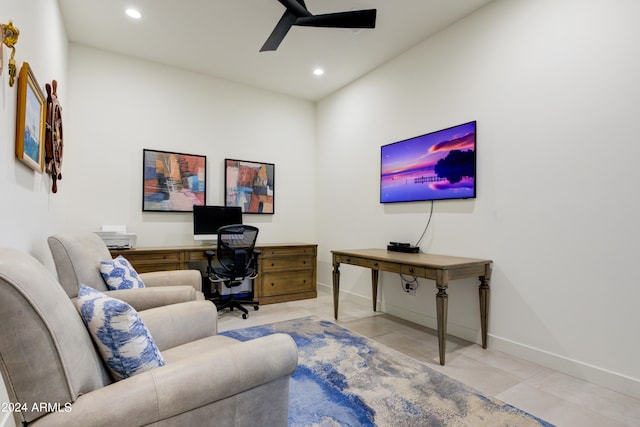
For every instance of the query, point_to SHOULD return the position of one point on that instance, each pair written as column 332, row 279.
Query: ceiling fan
column 298, row 14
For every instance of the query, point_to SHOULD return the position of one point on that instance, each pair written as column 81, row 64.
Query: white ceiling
column 222, row 38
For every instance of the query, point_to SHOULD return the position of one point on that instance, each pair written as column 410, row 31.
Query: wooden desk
column 440, row 268
column 287, row 271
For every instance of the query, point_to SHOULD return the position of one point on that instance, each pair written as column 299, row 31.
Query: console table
column 286, row 271
column 440, row 268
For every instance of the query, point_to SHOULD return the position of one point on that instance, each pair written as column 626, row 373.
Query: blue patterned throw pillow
column 124, row 342
column 119, row 274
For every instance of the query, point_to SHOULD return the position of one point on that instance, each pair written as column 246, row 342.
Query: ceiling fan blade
column 351, row 19
column 297, row 7
column 278, row 33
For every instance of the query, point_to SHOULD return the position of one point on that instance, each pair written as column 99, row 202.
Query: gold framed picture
column 30, row 122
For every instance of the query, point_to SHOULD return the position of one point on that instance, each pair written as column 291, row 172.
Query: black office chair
column 238, row 261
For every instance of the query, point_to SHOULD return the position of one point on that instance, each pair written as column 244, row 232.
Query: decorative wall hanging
column 173, row 182
column 53, row 136
column 30, row 126
column 249, row 185
column 10, row 38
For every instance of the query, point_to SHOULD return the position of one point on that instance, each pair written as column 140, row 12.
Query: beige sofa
column 52, row 370
column 77, row 258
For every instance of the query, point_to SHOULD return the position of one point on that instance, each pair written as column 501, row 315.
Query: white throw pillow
column 124, row 342
column 119, row 274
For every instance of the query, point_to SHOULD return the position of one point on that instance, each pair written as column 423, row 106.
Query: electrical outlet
column 410, row 288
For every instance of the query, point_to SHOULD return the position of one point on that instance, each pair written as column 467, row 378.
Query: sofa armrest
column 146, row 298
column 191, row 278
column 177, row 324
column 186, row 385
column 224, row 372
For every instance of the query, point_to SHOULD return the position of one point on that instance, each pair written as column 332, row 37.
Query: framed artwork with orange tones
column 173, row 182
column 249, row 185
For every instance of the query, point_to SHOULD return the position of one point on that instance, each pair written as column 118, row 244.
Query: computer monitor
column 207, row 220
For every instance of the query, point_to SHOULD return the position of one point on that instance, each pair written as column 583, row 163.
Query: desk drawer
column 286, row 263
column 288, row 282
column 158, row 261
column 197, row 255
column 270, row 251
column 412, row 270
column 370, row 263
column 152, row 258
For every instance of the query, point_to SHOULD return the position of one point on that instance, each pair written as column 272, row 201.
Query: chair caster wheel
column 256, row 307
column 244, row 315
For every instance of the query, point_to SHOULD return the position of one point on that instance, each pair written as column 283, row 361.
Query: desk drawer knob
column 410, row 269
column 375, row 264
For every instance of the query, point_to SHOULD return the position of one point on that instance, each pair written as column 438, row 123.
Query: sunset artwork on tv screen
column 435, row 166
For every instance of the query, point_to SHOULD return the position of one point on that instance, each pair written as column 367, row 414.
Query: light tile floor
column 557, row 398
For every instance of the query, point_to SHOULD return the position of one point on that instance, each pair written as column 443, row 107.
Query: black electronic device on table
column 402, row 247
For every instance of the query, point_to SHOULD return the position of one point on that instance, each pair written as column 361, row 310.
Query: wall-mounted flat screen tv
column 435, row 166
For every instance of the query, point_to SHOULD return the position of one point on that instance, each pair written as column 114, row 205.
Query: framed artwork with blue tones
column 249, row 185
column 173, row 182
column 30, row 120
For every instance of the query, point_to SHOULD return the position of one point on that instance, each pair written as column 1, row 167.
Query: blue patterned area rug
column 344, row 379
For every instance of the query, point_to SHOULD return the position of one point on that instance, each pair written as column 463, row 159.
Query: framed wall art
column 30, row 120
column 249, row 185
column 173, row 182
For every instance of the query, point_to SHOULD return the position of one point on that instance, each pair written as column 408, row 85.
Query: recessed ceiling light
column 318, row 71
column 132, row 13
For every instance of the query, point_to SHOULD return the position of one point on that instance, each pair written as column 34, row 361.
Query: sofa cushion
column 124, row 342
column 119, row 274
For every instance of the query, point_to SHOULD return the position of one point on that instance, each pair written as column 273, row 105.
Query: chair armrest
column 191, row 278
column 183, row 386
column 177, row 324
column 146, row 298
column 226, row 371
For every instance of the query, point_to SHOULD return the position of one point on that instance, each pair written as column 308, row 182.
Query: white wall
column 554, row 87
column 26, row 199
column 119, row 105
column 25, row 194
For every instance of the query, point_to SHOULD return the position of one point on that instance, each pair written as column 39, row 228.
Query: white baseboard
column 575, row 368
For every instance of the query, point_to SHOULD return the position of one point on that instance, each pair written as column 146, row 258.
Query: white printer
column 116, row 237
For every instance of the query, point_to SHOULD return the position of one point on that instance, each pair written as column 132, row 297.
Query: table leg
column 336, row 288
column 374, row 287
column 442, row 304
column 484, row 308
